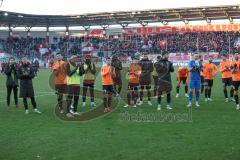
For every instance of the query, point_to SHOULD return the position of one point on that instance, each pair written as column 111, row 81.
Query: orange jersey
column 183, row 72
column 236, row 71
column 60, row 68
column 225, row 69
column 51, row 65
column 209, row 69
column 134, row 73
column 107, row 73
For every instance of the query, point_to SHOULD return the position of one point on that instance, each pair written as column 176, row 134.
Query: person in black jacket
column 12, row 82
column 145, row 78
column 26, row 74
column 35, row 66
column 164, row 69
column 202, row 77
column 117, row 64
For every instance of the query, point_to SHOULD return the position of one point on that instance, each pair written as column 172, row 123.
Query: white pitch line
column 35, row 96
column 46, row 92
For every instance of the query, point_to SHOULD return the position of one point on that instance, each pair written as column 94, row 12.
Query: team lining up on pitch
column 198, row 76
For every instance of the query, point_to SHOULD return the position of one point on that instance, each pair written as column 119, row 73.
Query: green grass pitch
column 213, row 133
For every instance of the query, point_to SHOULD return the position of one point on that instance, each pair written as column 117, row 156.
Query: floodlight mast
column 1, row 2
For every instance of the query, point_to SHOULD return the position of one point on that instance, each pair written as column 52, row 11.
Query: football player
column 235, row 67
column 182, row 76
column 210, row 70
column 225, row 69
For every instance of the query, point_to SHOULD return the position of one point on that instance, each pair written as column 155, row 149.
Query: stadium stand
column 176, row 42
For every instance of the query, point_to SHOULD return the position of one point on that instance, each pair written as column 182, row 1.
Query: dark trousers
column 73, row 93
column 60, row 100
column 117, row 88
column 155, row 78
column 61, row 89
column 15, row 93
column 75, row 102
column 26, row 104
column 91, row 89
column 168, row 98
column 148, row 87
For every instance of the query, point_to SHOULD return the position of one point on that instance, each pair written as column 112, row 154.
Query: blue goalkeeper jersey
column 194, row 70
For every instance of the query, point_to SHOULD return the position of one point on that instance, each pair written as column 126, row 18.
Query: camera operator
column 12, row 82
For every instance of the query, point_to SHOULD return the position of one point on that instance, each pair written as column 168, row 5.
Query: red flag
column 162, row 43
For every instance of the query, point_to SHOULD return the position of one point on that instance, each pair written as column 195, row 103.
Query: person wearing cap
column 25, row 73
column 133, row 84
column 107, row 73
column 60, row 79
column 164, row 68
column 117, row 64
column 89, row 70
column 225, row 69
column 12, row 81
column 145, row 78
column 74, row 72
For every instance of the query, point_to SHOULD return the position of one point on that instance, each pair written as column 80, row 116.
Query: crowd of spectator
column 188, row 42
column 173, row 42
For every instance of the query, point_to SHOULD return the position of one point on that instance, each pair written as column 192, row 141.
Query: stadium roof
column 125, row 18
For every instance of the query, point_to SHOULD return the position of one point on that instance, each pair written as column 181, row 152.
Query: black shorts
column 208, row 82
column 183, row 80
column 145, row 86
column 73, row 90
column 235, row 85
column 61, row 88
column 202, row 80
column 227, row 81
column 108, row 89
column 133, row 86
column 117, row 81
column 145, row 79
